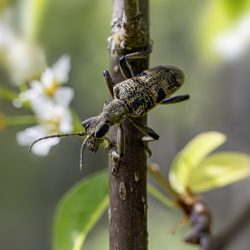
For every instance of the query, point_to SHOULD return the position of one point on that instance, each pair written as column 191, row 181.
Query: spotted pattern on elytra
column 143, row 92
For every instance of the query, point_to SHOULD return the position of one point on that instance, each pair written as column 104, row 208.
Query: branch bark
column 200, row 220
column 128, row 194
column 223, row 239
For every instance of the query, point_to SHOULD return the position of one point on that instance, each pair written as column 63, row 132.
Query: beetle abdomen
column 144, row 91
column 139, row 94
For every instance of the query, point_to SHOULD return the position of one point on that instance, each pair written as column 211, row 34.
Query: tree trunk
column 128, row 192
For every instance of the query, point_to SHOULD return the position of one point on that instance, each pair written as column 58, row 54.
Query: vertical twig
column 128, row 196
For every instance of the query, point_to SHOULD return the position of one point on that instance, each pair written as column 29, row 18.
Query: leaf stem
column 19, row 120
column 7, row 94
column 153, row 170
column 161, row 197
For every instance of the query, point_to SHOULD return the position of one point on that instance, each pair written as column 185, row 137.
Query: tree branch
column 200, row 221
column 128, row 196
column 131, row 11
column 224, row 238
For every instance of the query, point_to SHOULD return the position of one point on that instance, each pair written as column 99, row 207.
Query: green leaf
column 235, row 8
column 79, row 210
column 219, row 170
column 160, row 196
column 191, row 156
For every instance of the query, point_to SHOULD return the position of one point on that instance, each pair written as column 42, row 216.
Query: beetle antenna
column 82, row 151
column 54, row 136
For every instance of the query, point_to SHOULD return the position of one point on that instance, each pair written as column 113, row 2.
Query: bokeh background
column 186, row 33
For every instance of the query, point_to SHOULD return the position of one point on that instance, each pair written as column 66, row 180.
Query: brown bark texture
column 128, row 194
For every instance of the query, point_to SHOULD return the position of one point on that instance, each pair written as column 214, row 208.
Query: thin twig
column 153, row 170
column 224, row 238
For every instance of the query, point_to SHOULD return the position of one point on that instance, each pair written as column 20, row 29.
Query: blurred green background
column 31, row 186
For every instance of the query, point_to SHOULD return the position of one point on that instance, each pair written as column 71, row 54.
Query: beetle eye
column 101, row 129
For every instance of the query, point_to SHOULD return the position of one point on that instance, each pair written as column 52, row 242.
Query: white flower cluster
column 49, row 101
column 25, row 61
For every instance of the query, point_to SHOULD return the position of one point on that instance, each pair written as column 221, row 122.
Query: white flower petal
column 61, row 69
column 24, row 61
column 40, row 104
column 66, row 122
column 64, row 96
column 47, row 77
column 29, row 135
column 17, row 103
column 28, row 95
column 42, row 148
column 35, row 83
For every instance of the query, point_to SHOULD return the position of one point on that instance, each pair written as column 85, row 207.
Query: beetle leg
column 149, row 133
column 124, row 62
column 121, row 141
column 117, row 154
column 110, row 83
column 147, row 149
column 116, row 160
column 125, row 67
column 137, row 55
column 175, row 99
column 115, row 157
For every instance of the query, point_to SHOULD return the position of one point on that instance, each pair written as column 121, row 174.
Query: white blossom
column 47, row 98
column 59, row 72
column 50, row 103
column 29, row 135
column 49, row 84
column 53, row 118
column 233, row 43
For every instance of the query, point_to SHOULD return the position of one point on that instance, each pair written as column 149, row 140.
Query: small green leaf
column 79, row 210
column 219, row 170
column 191, row 156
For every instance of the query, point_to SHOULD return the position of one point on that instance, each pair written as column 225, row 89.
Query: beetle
column 132, row 98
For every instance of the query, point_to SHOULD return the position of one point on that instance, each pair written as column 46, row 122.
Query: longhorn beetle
column 132, row 98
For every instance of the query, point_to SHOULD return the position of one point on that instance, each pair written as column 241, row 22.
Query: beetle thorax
column 114, row 112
